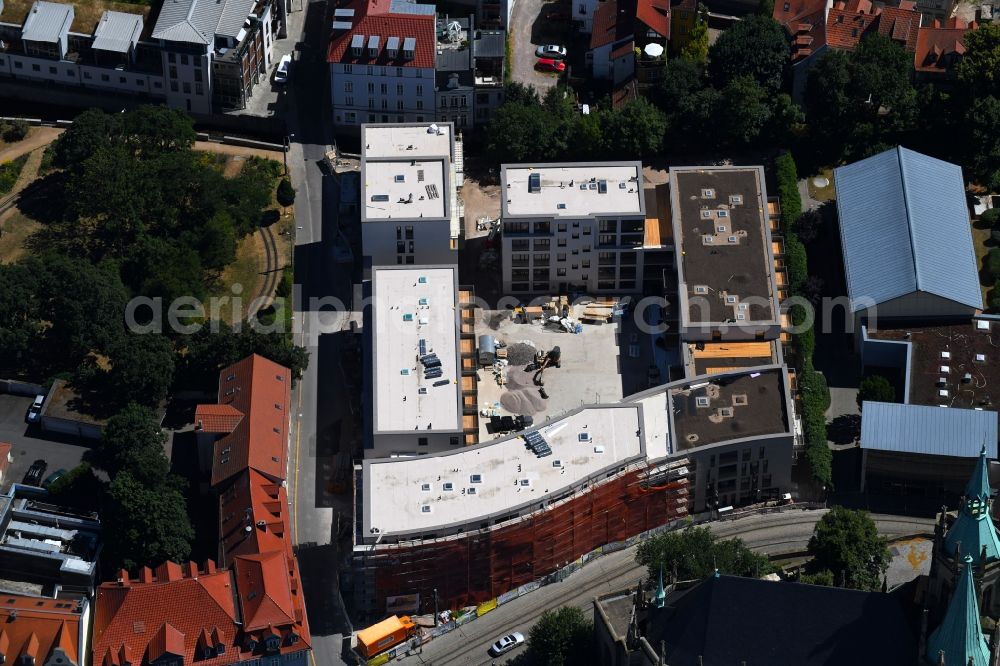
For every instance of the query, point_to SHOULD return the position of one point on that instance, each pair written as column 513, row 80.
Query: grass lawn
column 86, row 13
column 245, row 270
column 14, row 229
column 827, row 193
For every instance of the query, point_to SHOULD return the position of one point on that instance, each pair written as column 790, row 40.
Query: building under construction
column 464, row 527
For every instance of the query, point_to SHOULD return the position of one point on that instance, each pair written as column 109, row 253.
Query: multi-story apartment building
column 420, row 378
column 577, row 227
column 727, row 284
column 507, row 512
column 410, row 174
column 202, row 56
column 396, row 61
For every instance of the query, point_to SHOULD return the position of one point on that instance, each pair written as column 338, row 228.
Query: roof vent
column 946, row 355
column 425, row 508
column 598, row 449
column 982, row 325
column 700, row 289
column 535, row 183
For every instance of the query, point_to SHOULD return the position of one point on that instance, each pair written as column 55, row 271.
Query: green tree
column 744, row 111
column 127, row 442
column 983, row 141
column 757, row 47
column 696, row 553
column 21, row 325
column 153, row 129
column 561, row 637
column 151, row 524
column 634, row 131
column 286, row 193
column 846, row 543
column 824, row 578
column 142, row 368
column 979, row 68
column 765, row 7
column 875, row 388
column 15, row 130
column 991, row 263
column 696, row 50
column 217, row 246
column 519, row 133
column 89, row 132
column 681, row 79
column 79, row 488
column 881, row 72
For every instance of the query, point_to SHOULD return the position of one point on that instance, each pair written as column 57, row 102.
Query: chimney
column 209, row 567
column 192, row 569
column 123, row 578
column 146, row 575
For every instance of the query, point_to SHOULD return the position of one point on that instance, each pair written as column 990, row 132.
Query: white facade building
column 573, row 227
column 410, row 213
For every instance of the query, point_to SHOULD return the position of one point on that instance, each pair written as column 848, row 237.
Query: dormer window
column 373, row 44
column 272, row 643
column 357, row 45
column 249, row 644
column 409, row 47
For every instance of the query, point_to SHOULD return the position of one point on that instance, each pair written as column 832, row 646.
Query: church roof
column 960, row 636
column 974, row 529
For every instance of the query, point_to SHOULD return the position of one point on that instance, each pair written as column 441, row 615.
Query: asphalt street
column 30, row 444
column 770, row 534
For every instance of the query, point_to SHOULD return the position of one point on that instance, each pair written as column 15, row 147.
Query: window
column 19, row 65
column 561, row 272
column 541, row 244
column 420, row 107
column 399, row 88
column 561, row 242
column 348, row 69
column 173, row 72
column 409, row 258
column 52, row 70
column 187, row 88
column 184, row 59
column 349, row 101
column 385, row 104
column 69, row 72
column 561, row 226
column 371, row 105
column 371, row 88
column 422, row 441
column 384, row 88
column 420, row 90
column 173, row 86
column 399, row 105
column 197, row 75
column 409, row 232
column 37, row 68
column 171, row 57
column 444, row 103
column 561, row 256
column 399, row 71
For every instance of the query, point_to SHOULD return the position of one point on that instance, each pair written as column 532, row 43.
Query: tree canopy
column 561, row 637
column 846, row 543
column 875, row 388
column 696, row 553
column 757, row 47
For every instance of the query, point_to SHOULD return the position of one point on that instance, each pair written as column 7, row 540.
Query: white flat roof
column 409, row 305
column 655, row 424
column 407, row 141
column 573, row 190
column 395, row 491
column 410, row 189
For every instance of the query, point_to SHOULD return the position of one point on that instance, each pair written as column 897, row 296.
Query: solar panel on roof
column 423, row 347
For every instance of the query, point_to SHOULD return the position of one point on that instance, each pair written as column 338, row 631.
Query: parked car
column 34, row 475
column 550, row 65
column 551, row 51
column 35, row 411
column 507, row 643
column 53, row 477
column 281, row 71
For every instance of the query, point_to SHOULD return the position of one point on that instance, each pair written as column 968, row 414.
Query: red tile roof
column 901, row 24
column 805, row 21
column 605, row 24
column 36, row 627
column 263, row 584
column 373, row 18
column 655, row 14
column 221, row 419
column 260, row 390
column 845, row 26
column 625, row 93
column 938, row 47
column 623, row 50
column 252, row 517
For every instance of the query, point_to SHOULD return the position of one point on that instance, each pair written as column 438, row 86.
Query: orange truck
column 384, row 635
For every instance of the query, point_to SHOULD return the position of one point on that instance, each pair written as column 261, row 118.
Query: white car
column 281, row 71
column 507, row 643
column 551, row 51
column 35, row 411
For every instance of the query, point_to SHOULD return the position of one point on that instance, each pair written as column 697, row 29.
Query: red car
column 550, row 65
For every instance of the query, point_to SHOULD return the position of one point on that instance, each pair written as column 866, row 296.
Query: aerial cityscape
column 480, row 332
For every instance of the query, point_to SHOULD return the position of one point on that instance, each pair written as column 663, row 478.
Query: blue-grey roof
column 411, row 7
column 199, row 21
column 942, row 431
column 117, row 31
column 904, row 227
column 47, row 22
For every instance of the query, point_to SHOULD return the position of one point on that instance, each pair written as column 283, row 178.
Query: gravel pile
column 522, row 402
column 519, row 378
column 520, row 353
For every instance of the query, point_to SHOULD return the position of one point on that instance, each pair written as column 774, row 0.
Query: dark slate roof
column 489, row 44
column 928, row 429
column 729, row 620
column 905, row 228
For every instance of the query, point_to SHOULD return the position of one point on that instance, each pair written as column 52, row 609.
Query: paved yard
column 28, row 443
column 528, row 30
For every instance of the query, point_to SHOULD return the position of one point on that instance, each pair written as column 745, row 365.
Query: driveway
column 28, row 444
column 529, row 28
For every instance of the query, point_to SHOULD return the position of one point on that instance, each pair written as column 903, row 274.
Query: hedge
column 788, row 189
column 797, row 261
column 815, row 399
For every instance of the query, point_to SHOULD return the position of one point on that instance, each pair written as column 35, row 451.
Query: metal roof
column 47, row 22
column 489, row 44
column 199, row 21
column 117, row 31
column 411, row 7
column 959, row 637
column 904, row 227
column 932, row 430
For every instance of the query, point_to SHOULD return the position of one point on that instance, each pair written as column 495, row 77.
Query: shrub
column 286, row 193
column 798, row 262
column 990, row 217
column 788, row 189
column 15, row 130
column 991, row 263
column 875, row 388
column 9, row 171
column 815, row 398
column 993, row 300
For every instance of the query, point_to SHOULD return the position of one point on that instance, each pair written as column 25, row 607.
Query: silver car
column 553, row 51
column 507, row 643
